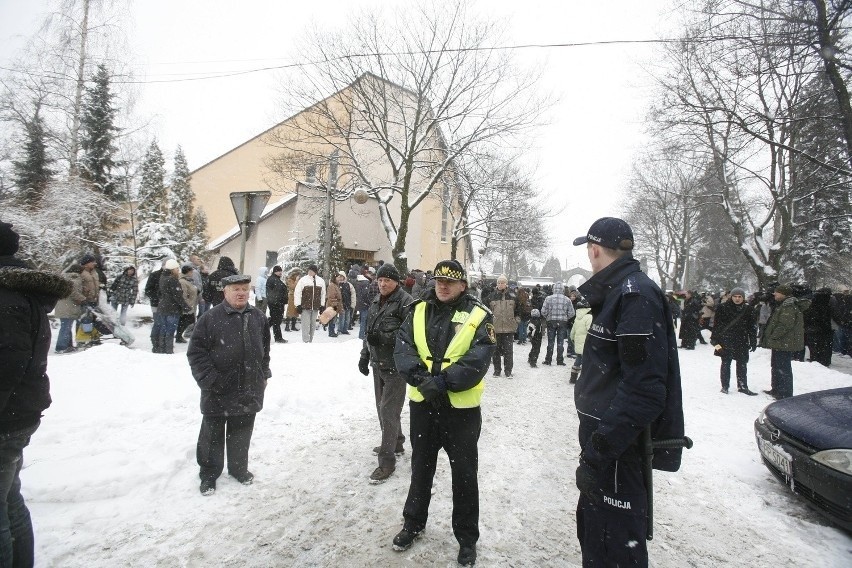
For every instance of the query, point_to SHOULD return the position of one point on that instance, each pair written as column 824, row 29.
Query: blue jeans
column 122, row 318
column 16, row 528
column 343, row 321
column 782, row 373
column 362, row 325
column 202, row 306
column 64, row 339
column 557, row 330
column 157, row 328
column 168, row 324
column 522, row 330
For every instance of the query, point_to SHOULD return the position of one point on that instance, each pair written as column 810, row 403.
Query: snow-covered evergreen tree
column 180, row 209
column 298, row 253
column 198, row 233
column 156, row 242
column 97, row 136
column 823, row 214
column 153, row 202
column 552, row 268
column 53, row 237
column 32, row 173
column 337, row 258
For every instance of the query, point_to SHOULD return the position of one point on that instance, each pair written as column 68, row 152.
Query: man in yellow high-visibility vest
column 443, row 350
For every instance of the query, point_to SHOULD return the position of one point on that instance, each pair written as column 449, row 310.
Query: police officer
column 630, row 380
column 443, row 350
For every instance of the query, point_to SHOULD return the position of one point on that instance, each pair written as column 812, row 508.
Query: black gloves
column 299, row 310
column 587, row 477
column 432, row 388
column 373, row 338
column 753, row 348
column 364, row 366
column 322, row 309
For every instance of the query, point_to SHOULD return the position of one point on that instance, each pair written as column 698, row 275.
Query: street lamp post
column 332, row 185
column 248, row 206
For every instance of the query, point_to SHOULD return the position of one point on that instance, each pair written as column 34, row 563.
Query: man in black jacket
column 171, row 306
column 26, row 297
column 630, row 380
column 276, row 299
column 213, row 292
column 385, row 316
column 443, row 350
column 229, row 358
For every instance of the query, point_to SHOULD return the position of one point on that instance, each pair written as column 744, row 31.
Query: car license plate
column 779, row 460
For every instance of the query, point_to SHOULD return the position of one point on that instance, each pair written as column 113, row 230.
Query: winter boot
column 286, row 324
column 575, row 372
column 155, row 344
column 168, row 344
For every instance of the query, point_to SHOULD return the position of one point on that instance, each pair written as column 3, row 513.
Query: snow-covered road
column 111, row 478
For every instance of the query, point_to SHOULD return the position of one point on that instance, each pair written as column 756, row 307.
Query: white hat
column 171, row 264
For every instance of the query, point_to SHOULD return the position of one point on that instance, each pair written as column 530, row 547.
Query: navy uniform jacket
column 631, row 374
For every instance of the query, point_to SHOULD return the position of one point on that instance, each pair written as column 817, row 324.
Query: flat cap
column 236, row 279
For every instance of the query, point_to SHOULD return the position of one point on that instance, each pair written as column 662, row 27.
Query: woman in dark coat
column 689, row 328
column 26, row 297
column 734, row 335
column 818, row 332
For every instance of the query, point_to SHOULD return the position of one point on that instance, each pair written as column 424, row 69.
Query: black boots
column 575, row 372
column 404, row 539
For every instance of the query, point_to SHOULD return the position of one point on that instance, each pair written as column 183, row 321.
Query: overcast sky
column 582, row 157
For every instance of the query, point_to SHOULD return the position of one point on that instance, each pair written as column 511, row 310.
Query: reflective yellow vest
column 459, row 345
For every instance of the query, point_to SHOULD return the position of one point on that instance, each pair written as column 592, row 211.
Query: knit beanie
column 738, row 292
column 388, row 271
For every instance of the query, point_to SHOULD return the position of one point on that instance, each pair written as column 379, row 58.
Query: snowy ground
column 111, row 478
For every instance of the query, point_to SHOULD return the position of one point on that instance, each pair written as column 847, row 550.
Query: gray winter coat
column 229, row 358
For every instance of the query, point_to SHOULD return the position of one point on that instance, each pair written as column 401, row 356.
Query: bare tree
column 400, row 98
column 665, row 208
column 488, row 195
column 735, row 98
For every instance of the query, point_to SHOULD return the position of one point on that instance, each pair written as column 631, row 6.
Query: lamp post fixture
column 248, row 206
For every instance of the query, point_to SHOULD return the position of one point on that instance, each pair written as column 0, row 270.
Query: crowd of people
column 430, row 337
column 795, row 322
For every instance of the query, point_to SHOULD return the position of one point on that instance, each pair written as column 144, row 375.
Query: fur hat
column 388, row 271
column 9, row 240
column 170, row 264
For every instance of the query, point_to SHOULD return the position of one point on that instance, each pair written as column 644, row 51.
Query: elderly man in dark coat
column 26, row 297
column 229, row 358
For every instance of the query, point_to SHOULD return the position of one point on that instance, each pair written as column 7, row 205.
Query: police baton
column 648, row 447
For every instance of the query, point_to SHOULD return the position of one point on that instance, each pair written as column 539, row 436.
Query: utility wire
column 226, row 74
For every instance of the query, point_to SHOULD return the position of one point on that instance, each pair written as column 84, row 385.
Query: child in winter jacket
column 582, row 323
column 534, row 335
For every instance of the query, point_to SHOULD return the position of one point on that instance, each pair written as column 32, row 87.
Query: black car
column 806, row 442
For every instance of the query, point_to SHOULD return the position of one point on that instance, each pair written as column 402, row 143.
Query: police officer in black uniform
column 630, row 380
column 443, row 350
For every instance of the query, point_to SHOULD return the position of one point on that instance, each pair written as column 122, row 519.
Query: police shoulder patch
column 629, row 287
column 492, row 336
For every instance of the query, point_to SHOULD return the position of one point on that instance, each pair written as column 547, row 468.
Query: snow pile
column 111, row 478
